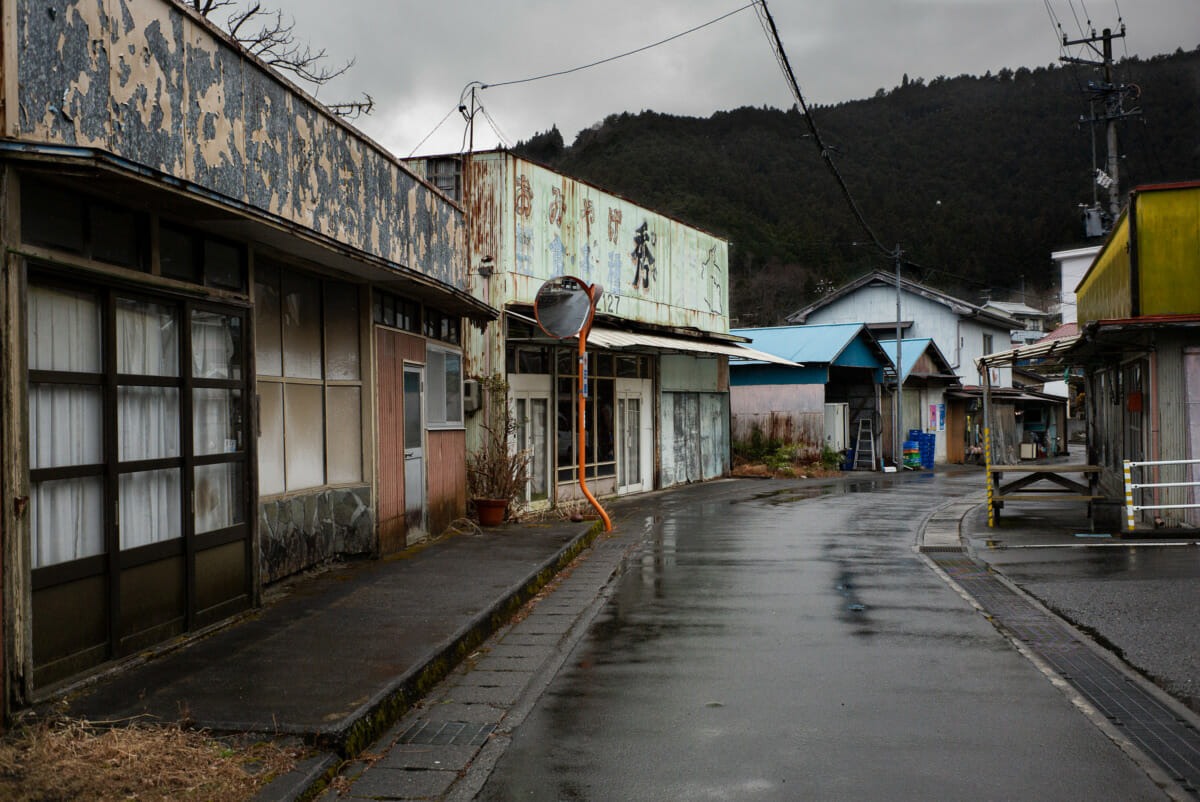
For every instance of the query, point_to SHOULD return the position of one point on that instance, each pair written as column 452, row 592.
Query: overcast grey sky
column 415, row 58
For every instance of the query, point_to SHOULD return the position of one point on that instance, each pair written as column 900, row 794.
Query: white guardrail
column 1130, row 486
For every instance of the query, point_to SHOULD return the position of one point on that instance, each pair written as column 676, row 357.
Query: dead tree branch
column 271, row 37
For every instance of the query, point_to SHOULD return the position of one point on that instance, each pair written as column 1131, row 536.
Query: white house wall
column 960, row 339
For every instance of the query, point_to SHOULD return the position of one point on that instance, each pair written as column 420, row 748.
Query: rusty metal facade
column 157, row 85
column 536, row 224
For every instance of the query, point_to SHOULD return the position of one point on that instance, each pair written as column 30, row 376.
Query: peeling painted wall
column 537, row 224
column 148, row 82
column 694, row 435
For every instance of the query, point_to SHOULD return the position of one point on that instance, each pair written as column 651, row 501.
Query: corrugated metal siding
column 445, row 463
column 685, row 456
column 1168, row 251
column 390, row 378
column 1171, row 381
column 155, row 85
column 1104, row 293
column 1191, row 367
column 714, row 435
column 392, row 350
column 793, row 413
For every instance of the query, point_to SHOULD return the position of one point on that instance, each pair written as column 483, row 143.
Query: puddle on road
column 788, row 495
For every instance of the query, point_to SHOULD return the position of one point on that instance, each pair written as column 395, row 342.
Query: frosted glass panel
column 147, row 423
column 147, row 339
column 270, row 438
column 268, row 345
column 216, row 346
column 341, row 331
column 64, row 331
column 150, row 508
column 453, row 388
column 65, row 425
column 538, row 445
column 216, row 421
column 67, row 519
column 345, row 435
column 219, row 498
column 301, row 327
column 304, row 419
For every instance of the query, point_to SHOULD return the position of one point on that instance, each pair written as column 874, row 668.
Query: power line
column 768, row 23
column 453, row 109
column 495, row 127
column 621, row 55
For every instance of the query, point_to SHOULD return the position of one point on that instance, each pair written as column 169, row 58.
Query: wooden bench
column 1057, row 475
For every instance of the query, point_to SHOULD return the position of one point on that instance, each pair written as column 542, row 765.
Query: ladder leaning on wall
column 864, row 446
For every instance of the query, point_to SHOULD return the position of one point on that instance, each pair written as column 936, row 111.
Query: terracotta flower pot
column 491, row 511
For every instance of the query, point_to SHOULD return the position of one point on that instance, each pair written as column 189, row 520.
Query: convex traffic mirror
column 562, row 306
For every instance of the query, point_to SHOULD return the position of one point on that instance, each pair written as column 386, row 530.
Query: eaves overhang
column 219, row 214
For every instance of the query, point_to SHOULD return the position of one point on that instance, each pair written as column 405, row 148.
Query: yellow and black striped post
column 987, row 466
column 1129, row 494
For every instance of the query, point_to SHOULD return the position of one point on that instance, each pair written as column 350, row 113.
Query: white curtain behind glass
column 147, row 339
column 212, row 346
column 148, row 423
column 150, row 510
column 65, row 426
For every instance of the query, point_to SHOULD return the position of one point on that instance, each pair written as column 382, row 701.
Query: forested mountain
column 978, row 179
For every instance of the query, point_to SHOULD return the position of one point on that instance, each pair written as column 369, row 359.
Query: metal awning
column 1039, row 350
column 614, row 338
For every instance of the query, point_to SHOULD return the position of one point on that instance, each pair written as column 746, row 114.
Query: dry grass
column 814, row 470
column 71, row 759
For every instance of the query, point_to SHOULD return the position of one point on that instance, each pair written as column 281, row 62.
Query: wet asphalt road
column 794, row 646
column 1137, row 596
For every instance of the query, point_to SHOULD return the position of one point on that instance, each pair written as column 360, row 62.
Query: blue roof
column 913, row 348
column 805, row 344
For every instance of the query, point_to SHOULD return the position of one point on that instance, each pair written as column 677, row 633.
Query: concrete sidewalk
column 338, row 657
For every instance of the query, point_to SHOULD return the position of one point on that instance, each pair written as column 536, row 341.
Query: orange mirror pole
column 587, row 327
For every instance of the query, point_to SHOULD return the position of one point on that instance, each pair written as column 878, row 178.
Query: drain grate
column 1170, row 741
column 447, row 733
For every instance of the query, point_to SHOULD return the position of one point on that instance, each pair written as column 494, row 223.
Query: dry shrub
column 71, row 759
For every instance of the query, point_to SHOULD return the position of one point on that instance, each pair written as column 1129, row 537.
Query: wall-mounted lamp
column 486, row 266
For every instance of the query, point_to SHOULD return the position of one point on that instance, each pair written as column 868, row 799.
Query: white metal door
column 414, row 452
column 837, row 423
column 530, row 396
column 635, row 435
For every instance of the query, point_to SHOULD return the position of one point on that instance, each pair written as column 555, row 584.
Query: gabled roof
column 956, row 305
column 1065, row 330
column 913, row 349
column 813, row 345
column 1015, row 308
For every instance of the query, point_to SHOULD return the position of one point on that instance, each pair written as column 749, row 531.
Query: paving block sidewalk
column 445, row 747
column 339, row 656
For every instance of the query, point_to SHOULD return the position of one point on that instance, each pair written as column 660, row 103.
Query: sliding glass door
column 138, row 457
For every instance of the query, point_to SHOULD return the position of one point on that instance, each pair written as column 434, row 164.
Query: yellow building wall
column 1168, row 234
column 1104, row 292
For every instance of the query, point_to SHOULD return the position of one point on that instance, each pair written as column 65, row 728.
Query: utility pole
column 1107, row 108
column 898, row 403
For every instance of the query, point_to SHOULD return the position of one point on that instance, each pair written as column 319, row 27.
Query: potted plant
column 496, row 473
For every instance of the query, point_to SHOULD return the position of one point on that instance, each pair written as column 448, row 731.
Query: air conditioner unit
column 472, row 400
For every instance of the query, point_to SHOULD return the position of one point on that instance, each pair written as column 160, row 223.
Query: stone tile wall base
column 300, row 531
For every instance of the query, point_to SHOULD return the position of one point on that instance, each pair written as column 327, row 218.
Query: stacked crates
column 924, row 444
